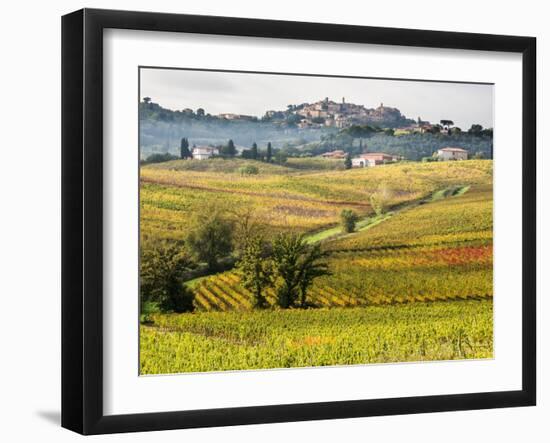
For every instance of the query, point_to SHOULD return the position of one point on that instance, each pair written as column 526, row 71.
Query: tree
column 161, row 268
column 254, row 151
column 296, row 265
column 255, row 269
column 269, row 153
column 280, row 157
column 184, row 148
column 245, row 227
column 229, row 149
column 311, row 268
column 212, row 238
column 200, row 112
column 287, row 250
column 380, row 199
column 347, row 162
column 147, row 100
column 294, row 119
column 475, row 129
column 348, row 219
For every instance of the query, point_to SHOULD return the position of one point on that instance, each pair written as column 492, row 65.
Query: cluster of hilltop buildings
column 329, row 113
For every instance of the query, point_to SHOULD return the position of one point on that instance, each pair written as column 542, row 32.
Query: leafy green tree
column 293, row 119
column 184, row 149
column 256, row 269
column 475, row 129
column 200, row 112
column 269, row 153
column 211, row 238
column 147, row 100
column 347, row 162
column 348, row 220
column 254, row 151
column 296, row 265
column 162, row 266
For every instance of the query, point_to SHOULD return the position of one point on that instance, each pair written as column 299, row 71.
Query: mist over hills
column 301, row 130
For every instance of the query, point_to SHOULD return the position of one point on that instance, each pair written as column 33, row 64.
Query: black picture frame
column 82, row 218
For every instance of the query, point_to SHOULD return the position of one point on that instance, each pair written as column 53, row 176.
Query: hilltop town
column 328, row 113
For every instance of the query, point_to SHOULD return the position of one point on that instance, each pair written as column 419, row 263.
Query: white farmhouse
column 450, row 153
column 373, row 159
column 359, row 162
column 204, row 152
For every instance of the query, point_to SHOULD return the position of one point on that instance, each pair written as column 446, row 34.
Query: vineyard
column 217, row 341
column 436, row 251
column 413, row 283
column 285, row 197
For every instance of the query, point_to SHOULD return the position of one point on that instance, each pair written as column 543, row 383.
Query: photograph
column 300, row 220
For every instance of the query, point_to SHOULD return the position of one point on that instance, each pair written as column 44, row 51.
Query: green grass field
column 414, row 283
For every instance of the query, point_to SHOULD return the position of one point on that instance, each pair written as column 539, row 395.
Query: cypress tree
column 184, row 148
column 347, row 161
column 269, row 153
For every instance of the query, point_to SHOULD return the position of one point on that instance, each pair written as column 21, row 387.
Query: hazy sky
column 253, row 94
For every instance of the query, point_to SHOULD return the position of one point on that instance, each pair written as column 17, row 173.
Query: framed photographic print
column 269, row 221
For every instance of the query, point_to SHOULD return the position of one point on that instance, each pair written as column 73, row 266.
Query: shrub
column 159, row 158
column 348, row 220
column 249, row 170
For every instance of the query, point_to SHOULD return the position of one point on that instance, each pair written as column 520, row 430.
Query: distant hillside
column 301, row 130
column 161, row 130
